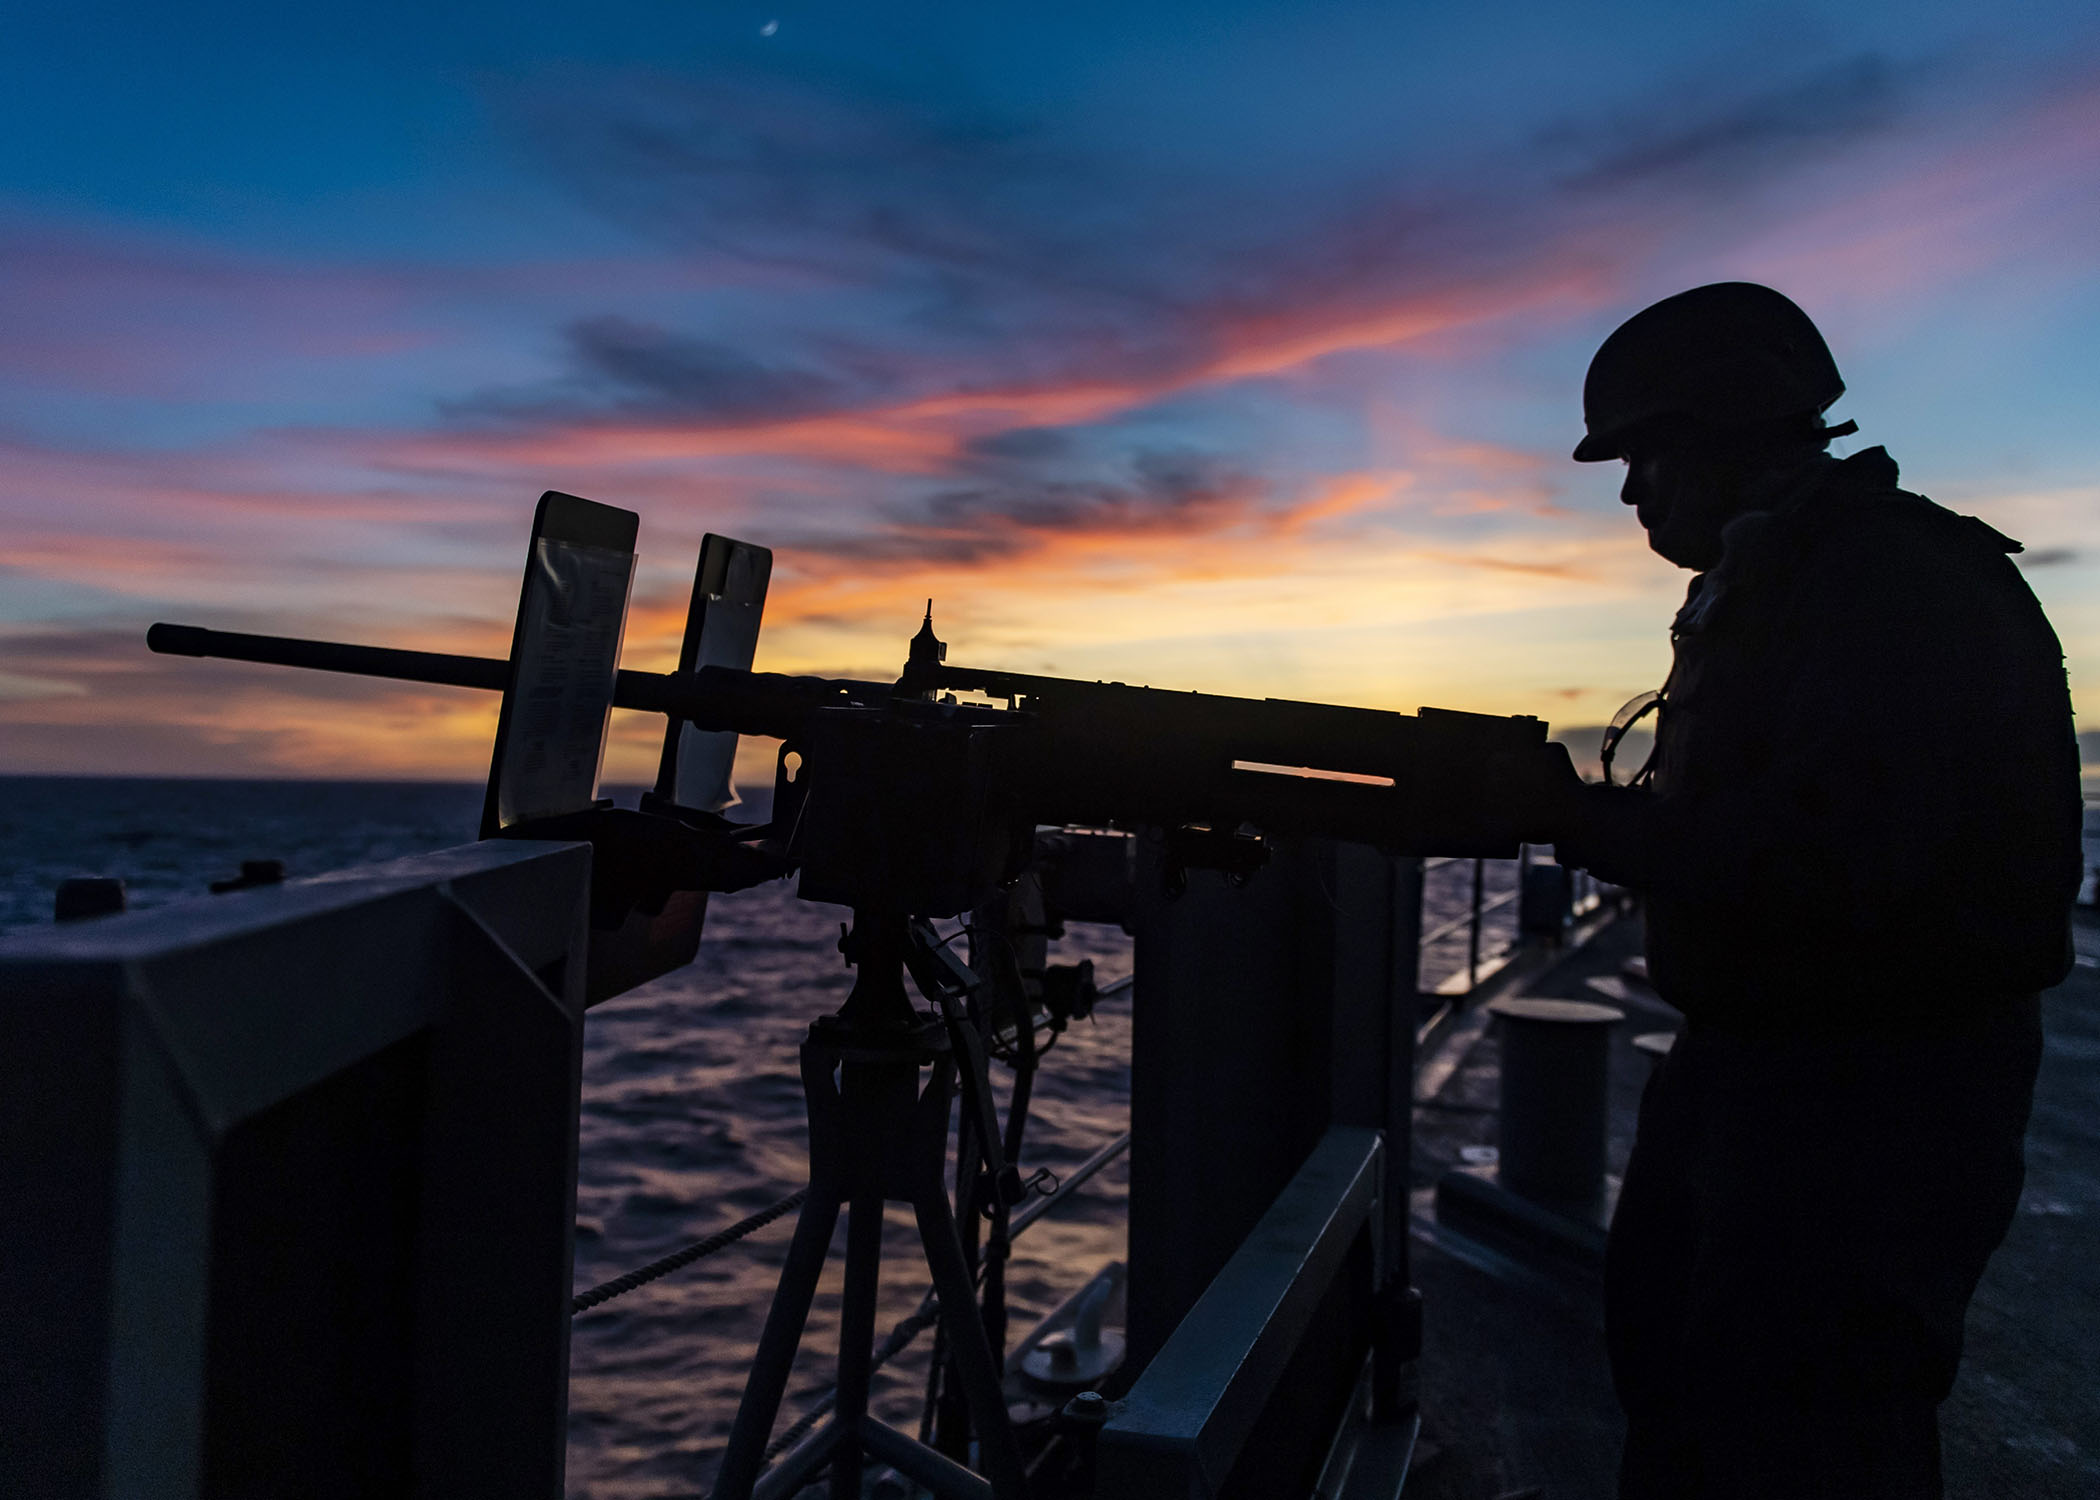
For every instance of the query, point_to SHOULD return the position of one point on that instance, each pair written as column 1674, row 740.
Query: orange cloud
column 925, row 434
column 1275, row 342
column 887, row 441
column 1344, row 495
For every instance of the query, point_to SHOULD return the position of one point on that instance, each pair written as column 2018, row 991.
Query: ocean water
column 692, row 1113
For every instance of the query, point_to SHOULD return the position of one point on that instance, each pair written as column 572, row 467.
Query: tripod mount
column 878, row 1134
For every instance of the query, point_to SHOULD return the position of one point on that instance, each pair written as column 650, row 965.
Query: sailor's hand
column 639, row 859
column 1538, row 790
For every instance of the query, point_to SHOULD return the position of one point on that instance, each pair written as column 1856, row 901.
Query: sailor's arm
column 1616, row 833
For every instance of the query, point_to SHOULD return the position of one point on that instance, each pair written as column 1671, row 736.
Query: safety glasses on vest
column 1636, row 708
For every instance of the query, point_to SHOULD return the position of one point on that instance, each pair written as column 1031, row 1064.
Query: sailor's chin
column 1668, row 548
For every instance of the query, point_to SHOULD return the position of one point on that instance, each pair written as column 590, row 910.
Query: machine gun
column 902, row 787
column 903, row 792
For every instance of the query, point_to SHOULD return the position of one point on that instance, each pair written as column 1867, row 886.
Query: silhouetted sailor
column 1858, row 837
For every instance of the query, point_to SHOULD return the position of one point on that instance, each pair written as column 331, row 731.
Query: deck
column 1516, row 1396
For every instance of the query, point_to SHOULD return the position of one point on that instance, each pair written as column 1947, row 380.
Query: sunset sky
column 1224, row 346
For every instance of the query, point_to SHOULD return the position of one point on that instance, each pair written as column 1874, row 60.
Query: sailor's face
column 1682, row 500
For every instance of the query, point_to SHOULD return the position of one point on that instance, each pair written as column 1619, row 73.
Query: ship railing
column 446, row 988
column 1283, row 1333
column 1547, row 912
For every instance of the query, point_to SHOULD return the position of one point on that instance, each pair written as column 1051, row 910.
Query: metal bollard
column 1546, row 901
column 1556, row 1074
column 88, row 896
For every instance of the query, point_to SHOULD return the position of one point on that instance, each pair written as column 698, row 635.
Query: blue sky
column 1229, row 346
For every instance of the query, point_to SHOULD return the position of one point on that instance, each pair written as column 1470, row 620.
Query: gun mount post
column 876, row 1136
column 1297, row 991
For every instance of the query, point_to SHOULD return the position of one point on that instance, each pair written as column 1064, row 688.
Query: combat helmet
column 1727, row 356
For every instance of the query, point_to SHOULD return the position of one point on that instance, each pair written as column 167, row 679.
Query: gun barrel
column 437, row 667
column 712, row 698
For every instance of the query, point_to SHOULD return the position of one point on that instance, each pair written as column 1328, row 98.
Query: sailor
column 1858, row 839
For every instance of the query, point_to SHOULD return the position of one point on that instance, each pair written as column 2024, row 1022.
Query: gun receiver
column 1108, row 753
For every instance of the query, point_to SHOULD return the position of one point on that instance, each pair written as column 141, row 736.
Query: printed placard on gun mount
column 721, row 630
column 564, row 658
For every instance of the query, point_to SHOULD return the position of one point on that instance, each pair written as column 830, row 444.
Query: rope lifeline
column 584, row 1301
